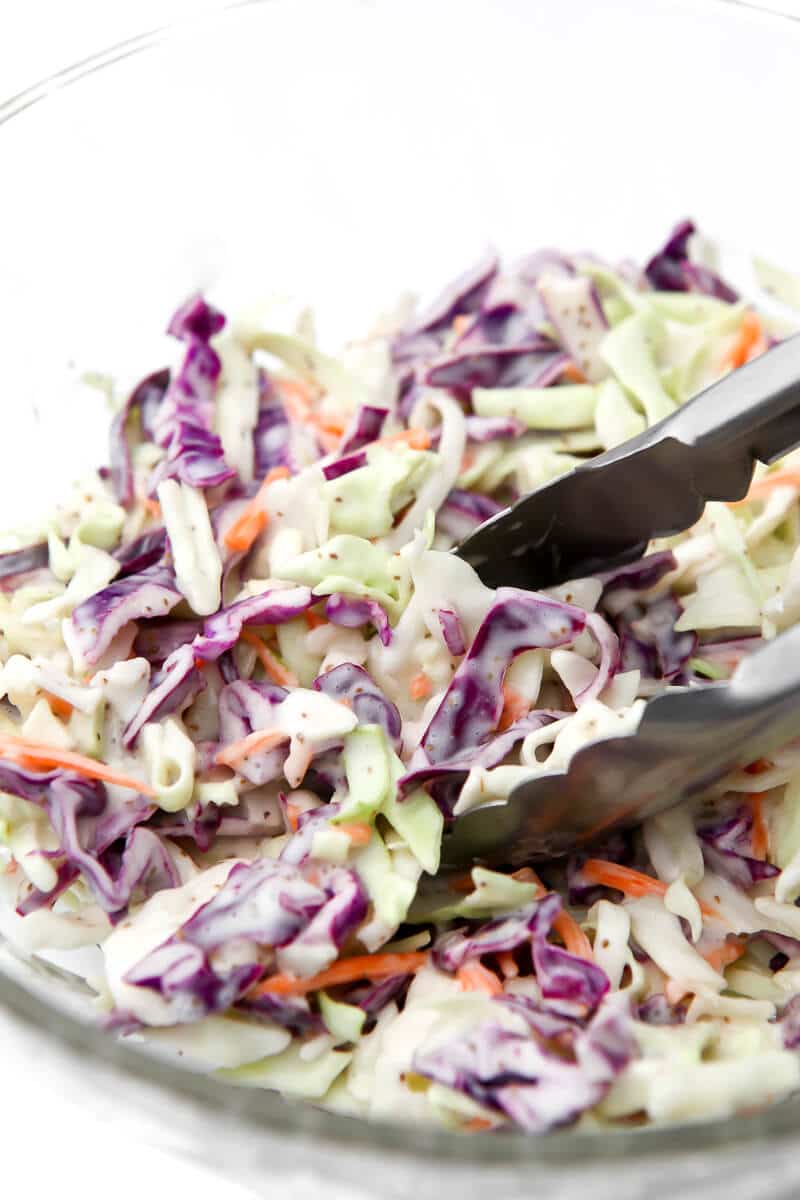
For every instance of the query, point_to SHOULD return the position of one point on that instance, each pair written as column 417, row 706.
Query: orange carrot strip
column 276, row 473
column 760, row 834
column 313, row 620
column 759, row 767
column 259, row 739
column 750, row 333
column 346, row 970
column 292, row 816
column 565, row 925
column 515, row 706
column 329, row 442
column 327, row 425
column 359, row 832
column 729, row 952
column 420, row 687
column 573, row 373
column 274, row 668
column 295, row 396
column 59, row 707
column 35, row 754
column 763, row 487
column 417, row 439
column 246, row 528
column 476, row 1124
column 573, row 937
column 463, row 883
column 631, row 883
column 623, row 879
column 151, row 507
column 253, row 520
column 475, row 977
column 508, row 964
column 467, row 459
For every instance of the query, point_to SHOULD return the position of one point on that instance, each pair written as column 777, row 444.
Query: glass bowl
column 343, row 152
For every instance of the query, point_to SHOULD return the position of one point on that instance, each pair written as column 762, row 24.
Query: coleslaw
column 246, row 685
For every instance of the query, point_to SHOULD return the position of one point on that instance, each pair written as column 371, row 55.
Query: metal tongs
column 602, row 515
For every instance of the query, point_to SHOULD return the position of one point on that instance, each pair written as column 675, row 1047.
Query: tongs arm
column 687, row 741
column 605, row 511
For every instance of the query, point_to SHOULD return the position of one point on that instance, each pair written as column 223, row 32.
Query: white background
column 51, row 1145
column 42, row 1131
column 43, row 36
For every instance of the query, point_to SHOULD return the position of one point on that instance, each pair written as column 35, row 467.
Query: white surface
column 42, row 37
column 46, row 35
column 82, row 1155
column 83, row 1160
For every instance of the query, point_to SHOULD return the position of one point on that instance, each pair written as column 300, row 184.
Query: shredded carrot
column 417, row 439
column 749, row 338
column 296, row 398
column 573, row 373
column 35, row 754
column 460, row 323
column 759, row 767
column 246, row 528
column 276, row 473
column 274, row 668
column 515, row 706
column 420, row 687
column 768, row 483
column 151, row 507
column 359, row 832
column 476, row 1124
column 328, row 425
column 467, row 459
column 313, row 620
column 329, row 442
column 346, row 970
column 253, row 520
column 60, row 708
column 292, row 816
column 508, row 964
column 623, row 879
column 461, row 883
column 259, row 739
column 475, row 977
column 760, row 833
column 573, row 937
column 631, row 883
column 729, row 952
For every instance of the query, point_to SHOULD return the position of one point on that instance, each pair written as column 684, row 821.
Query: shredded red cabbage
column 97, row 621
column 470, row 708
column 266, row 903
column 354, row 611
column 223, row 629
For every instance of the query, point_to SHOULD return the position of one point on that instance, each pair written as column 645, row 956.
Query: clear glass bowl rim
column 261, row 1108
